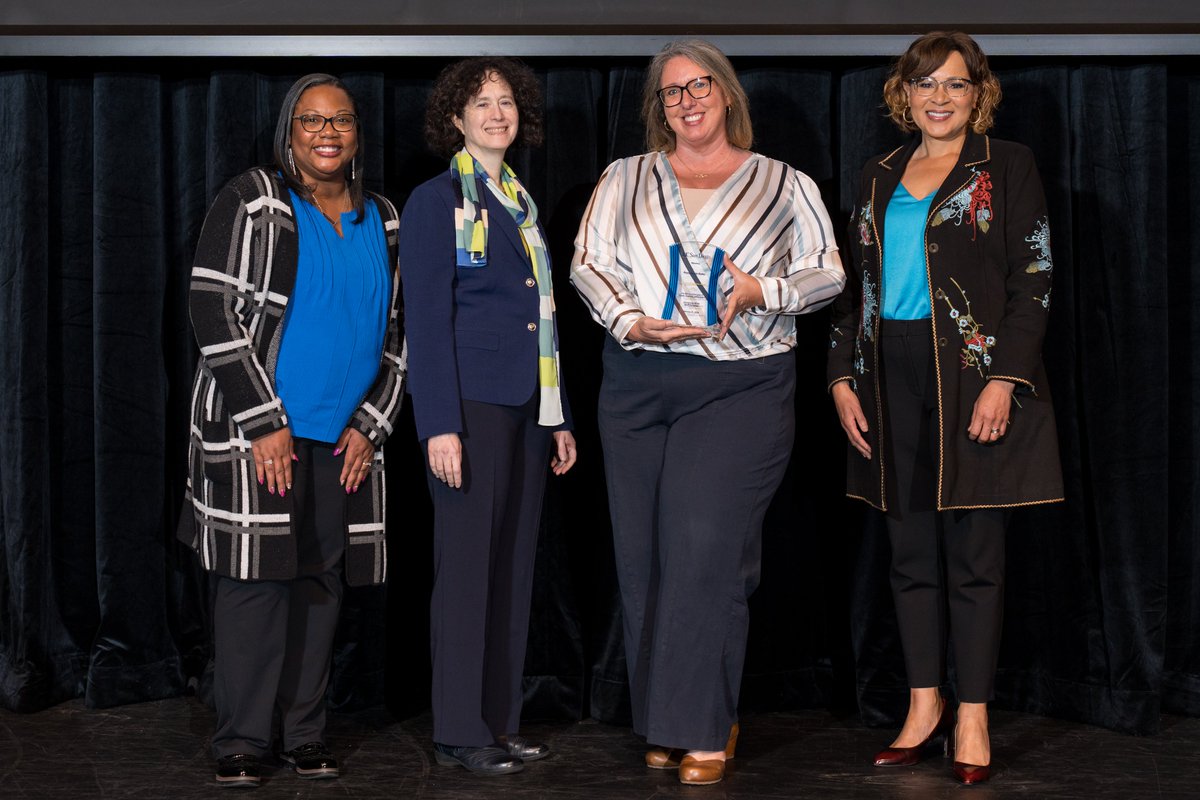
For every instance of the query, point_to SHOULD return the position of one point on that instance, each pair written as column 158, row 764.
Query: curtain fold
column 112, row 175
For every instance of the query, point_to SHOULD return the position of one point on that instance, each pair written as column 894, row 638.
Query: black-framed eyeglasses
column 315, row 123
column 955, row 87
column 698, row 88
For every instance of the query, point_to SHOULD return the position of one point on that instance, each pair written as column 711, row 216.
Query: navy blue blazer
column 471, row 331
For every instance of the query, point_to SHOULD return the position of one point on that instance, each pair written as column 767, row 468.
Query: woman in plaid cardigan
column 294, row 302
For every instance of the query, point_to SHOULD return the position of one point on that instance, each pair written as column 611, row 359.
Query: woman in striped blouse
column 695, row 257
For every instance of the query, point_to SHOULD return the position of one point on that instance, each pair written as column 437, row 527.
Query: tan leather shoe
column 693, row 772
column 664, row 758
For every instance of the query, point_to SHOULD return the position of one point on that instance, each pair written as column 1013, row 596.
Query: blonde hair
column 709, row 58
column 923, row 57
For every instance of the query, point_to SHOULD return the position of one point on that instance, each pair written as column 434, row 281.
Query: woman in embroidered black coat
column 947, row 410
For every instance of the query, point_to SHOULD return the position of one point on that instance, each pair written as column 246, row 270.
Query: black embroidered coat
column 987, row 258
column 242, row 279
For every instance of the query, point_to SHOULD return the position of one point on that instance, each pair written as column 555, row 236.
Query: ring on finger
column 268, row 462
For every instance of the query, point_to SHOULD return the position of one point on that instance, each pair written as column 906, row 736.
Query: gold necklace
column 317, row 201
column 703, row 175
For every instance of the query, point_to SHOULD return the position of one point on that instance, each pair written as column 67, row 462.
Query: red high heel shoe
column 907, row 756
column 967, row 774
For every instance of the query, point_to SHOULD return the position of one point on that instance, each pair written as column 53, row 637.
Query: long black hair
column 283, row 141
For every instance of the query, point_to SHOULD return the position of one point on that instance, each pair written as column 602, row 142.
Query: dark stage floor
column 160, row 750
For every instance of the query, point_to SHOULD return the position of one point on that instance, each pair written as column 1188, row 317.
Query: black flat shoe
column 239, row 771
column 522, row 748
column 312, row 761
column 489, row 760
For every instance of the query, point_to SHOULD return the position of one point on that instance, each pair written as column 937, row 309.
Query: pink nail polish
column 271, row 490
column 295, row 457
column 282, row 492
column 347, row 490
column 260, row 481
column 337, row 451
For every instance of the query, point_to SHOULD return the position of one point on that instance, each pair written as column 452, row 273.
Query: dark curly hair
column 459, row 82
column 923, row 57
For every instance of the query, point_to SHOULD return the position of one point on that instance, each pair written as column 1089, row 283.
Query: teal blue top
column 335, row 322
column 905, row 282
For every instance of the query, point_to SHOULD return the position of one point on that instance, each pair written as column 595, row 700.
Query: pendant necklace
column 703, row 175
column 317, row 201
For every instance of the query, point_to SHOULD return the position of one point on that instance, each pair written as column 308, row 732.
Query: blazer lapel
column 500, row 219
column 887, row 178
column 976, row 150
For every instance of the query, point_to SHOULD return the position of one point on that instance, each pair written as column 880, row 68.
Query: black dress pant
column 947, row 566
column 484, row 542
column 693, row 453
column 274, row 639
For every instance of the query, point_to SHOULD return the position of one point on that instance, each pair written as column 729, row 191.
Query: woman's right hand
column 445, row 458
column 273, row 455
column 850, row 413
column 649, row 330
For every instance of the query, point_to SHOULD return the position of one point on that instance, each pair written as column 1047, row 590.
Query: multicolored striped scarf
column 470, row 245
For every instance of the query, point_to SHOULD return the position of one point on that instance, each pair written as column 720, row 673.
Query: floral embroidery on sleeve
column 1040, row 245
column 973, row 201
column 976, row 344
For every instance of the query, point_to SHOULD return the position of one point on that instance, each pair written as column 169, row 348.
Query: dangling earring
column 291, row 160
column 907, row 115
column 353, row 169
column 977, row 114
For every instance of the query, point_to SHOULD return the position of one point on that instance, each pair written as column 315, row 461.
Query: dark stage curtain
column 110, row 174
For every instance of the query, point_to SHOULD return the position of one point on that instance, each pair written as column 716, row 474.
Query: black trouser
column 693, row 453
column 274, row 639
column 484, row 542
column 947, row 567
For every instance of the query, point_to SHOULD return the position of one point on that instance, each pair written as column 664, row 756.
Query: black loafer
column 239, row 771
column 312, row 761
column 489, row 760
column 524, row 749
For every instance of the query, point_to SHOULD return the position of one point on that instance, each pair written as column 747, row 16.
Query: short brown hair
column 709, row 58
column 460, row 81
column 923, row 57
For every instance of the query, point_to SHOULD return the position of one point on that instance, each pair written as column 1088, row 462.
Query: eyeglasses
column 698, row 88
column 315, row 123
column 955, row 87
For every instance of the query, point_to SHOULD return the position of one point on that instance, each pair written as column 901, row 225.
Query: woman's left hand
column 563, row 457
column 989, row 419
column 358, row 456
column 746, row 293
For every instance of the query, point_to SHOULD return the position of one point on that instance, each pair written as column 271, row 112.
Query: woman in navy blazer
column 489, row 406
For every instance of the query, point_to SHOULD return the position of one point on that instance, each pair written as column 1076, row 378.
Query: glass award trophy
column 693, row 294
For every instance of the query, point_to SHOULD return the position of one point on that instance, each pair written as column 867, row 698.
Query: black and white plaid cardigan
column 242, row 279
